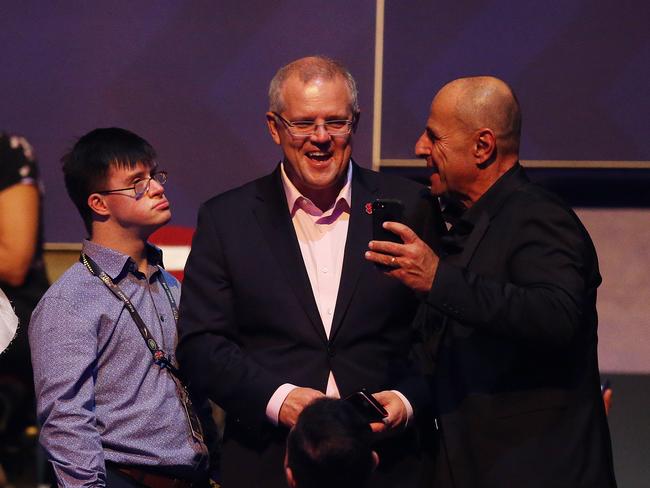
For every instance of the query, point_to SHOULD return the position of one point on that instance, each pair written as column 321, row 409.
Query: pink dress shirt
column 321, row 236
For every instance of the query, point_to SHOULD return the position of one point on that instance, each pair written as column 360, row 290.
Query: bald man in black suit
column 509, row 315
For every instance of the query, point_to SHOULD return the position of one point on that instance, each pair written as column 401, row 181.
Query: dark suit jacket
column 513, row 310
column 249, row 321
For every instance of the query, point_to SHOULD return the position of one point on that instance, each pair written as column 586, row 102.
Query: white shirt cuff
column 407, row 404
column 276, row 401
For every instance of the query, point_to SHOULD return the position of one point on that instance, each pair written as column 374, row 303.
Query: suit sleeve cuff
column 276, row 401
column 407, row 404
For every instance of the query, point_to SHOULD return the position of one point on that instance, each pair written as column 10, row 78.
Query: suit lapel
column 510, row 182
column 359, row 234
column 472, row 242
column 273, row 217
column 432, row 334
column 490, row 204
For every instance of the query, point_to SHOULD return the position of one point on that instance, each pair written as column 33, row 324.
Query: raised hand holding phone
column 385, row 210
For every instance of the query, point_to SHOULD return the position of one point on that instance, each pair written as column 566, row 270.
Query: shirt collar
column 294, row 197
column 116, row 264
column 456, row 213
column 495, row 196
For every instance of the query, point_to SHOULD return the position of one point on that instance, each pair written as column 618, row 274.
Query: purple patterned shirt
column 100, row 395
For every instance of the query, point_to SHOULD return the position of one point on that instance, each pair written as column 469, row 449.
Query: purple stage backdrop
column 191, row 77
column 580, row 68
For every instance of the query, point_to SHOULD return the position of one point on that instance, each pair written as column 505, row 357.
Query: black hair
column 330, row 445
column 86, row 166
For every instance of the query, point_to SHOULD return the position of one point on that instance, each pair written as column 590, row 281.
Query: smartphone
column 386, row 211
column 366, row 404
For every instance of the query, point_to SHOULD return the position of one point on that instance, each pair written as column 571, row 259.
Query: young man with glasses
column 279, row 306
column 112, row 407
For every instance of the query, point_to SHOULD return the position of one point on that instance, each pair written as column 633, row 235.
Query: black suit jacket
column 512, row 316
column 249, row 321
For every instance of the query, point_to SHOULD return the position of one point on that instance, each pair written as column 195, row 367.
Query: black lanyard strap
column 159, row 356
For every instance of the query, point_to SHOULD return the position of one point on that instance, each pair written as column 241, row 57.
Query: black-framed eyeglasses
column 141, row 187
column 306, row 128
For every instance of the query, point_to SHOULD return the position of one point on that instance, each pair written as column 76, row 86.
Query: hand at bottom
column 397, row 413
column 295, row 402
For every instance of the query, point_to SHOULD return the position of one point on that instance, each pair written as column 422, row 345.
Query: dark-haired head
column 86, row 166
column 330, row 445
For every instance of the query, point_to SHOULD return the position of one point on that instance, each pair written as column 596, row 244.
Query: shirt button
column 325, row 270
column 329, row 311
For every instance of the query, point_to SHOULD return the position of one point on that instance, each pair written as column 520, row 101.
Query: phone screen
column 386, row 211
column 369, row 408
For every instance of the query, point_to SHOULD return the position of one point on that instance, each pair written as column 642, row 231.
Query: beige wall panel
column 622, row 239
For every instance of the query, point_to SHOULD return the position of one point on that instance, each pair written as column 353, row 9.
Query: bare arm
column 19, row 207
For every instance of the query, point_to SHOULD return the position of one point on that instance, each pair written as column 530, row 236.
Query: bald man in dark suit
column 509, row 315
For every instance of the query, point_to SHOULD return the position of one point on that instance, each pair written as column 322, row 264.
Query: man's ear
column 485, row 145
column 355, row 121
column 272, row 124
column 375, row 460
column 97, row 204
